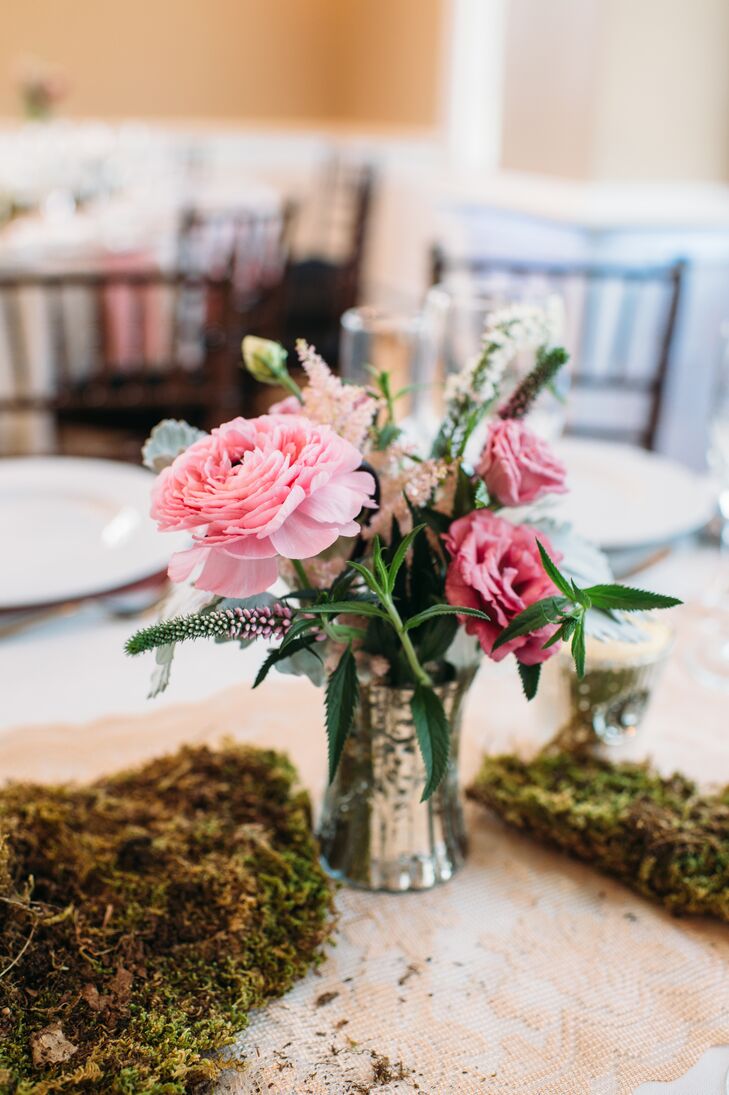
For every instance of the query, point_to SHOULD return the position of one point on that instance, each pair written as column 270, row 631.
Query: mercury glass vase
column 374, row 832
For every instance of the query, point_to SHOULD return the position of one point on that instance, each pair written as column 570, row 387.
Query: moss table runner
column 528, row 974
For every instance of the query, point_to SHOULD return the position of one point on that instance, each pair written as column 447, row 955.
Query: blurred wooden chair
column 252, row 250
column 89, row 362
column 620, row 323
column 323, row 285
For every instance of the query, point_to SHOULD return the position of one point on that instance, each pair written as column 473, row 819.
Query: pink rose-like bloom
column 517, row 466
column 256, row 489
column 496, row 567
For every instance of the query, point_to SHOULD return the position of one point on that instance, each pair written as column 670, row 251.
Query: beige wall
column 371, row 61
column 549, row 86
column 663, row 96
column 618, row 89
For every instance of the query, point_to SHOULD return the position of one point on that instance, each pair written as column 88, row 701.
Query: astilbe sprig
column 347, row 408
column 264, row 622
column 471, row 392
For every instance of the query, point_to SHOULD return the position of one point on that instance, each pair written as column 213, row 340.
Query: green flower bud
column 265, row 360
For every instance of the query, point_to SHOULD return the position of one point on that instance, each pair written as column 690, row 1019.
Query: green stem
column 290, row 385
column 301, row 573
column 418, row 672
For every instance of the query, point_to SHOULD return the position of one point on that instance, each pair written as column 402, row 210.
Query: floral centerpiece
column 398, row 571
column 41, row 88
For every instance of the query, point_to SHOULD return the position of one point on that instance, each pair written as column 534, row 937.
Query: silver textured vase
column 375, row 832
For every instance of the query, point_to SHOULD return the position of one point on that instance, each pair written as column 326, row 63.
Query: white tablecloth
column 527, row 973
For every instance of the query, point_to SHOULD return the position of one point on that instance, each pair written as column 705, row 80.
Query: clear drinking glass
column 456, row 312
column 608, row 705
column 400, row 344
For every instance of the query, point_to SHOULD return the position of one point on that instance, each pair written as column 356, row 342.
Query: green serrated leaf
column 400, row 555
column 547, row 611
column 481, row 497
column 568, row 627
column 554, row 574
column 385, row 437
column 369, row 578
column 435, row 637
column 529, row 678
column 578, row 647
column 556, row 638
column 443, row 610
column 379, row 562
column 341, row 701
column 628, row 599
column 298, row 627
column 278, row 655
column 434, row 735
column 354, row 608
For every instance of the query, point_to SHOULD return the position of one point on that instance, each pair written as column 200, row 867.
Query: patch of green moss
column 144, row 916
column 660, row 836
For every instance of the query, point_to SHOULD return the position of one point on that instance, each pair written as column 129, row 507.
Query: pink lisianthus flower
column 496, row 567
column 256, row 489
column 517, row 466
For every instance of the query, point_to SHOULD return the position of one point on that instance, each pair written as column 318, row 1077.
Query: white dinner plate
column 622, row 497
column 74, row 528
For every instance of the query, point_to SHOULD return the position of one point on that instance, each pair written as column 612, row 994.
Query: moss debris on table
column 144, row 916
column 661, row 836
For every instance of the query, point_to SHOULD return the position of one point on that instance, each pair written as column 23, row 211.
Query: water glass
column 607, row 706
column 401, row 344
column 457, row 311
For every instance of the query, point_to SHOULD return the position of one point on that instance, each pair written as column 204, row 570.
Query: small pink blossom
column 289, row 405
column 496, row 567
column 347, row 408
column 402, row 480
column 256, row 489
column 518, row 466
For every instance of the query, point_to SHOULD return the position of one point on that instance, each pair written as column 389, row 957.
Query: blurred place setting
column 478, row 251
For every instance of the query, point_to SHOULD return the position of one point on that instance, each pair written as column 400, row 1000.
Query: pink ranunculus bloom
column 517, row 466
column 256, row 489
column 496, row 567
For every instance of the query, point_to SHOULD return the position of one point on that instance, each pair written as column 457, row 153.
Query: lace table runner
column 527, row 973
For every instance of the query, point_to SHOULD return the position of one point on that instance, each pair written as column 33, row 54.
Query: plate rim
column 668, row 462
column 92, row 591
